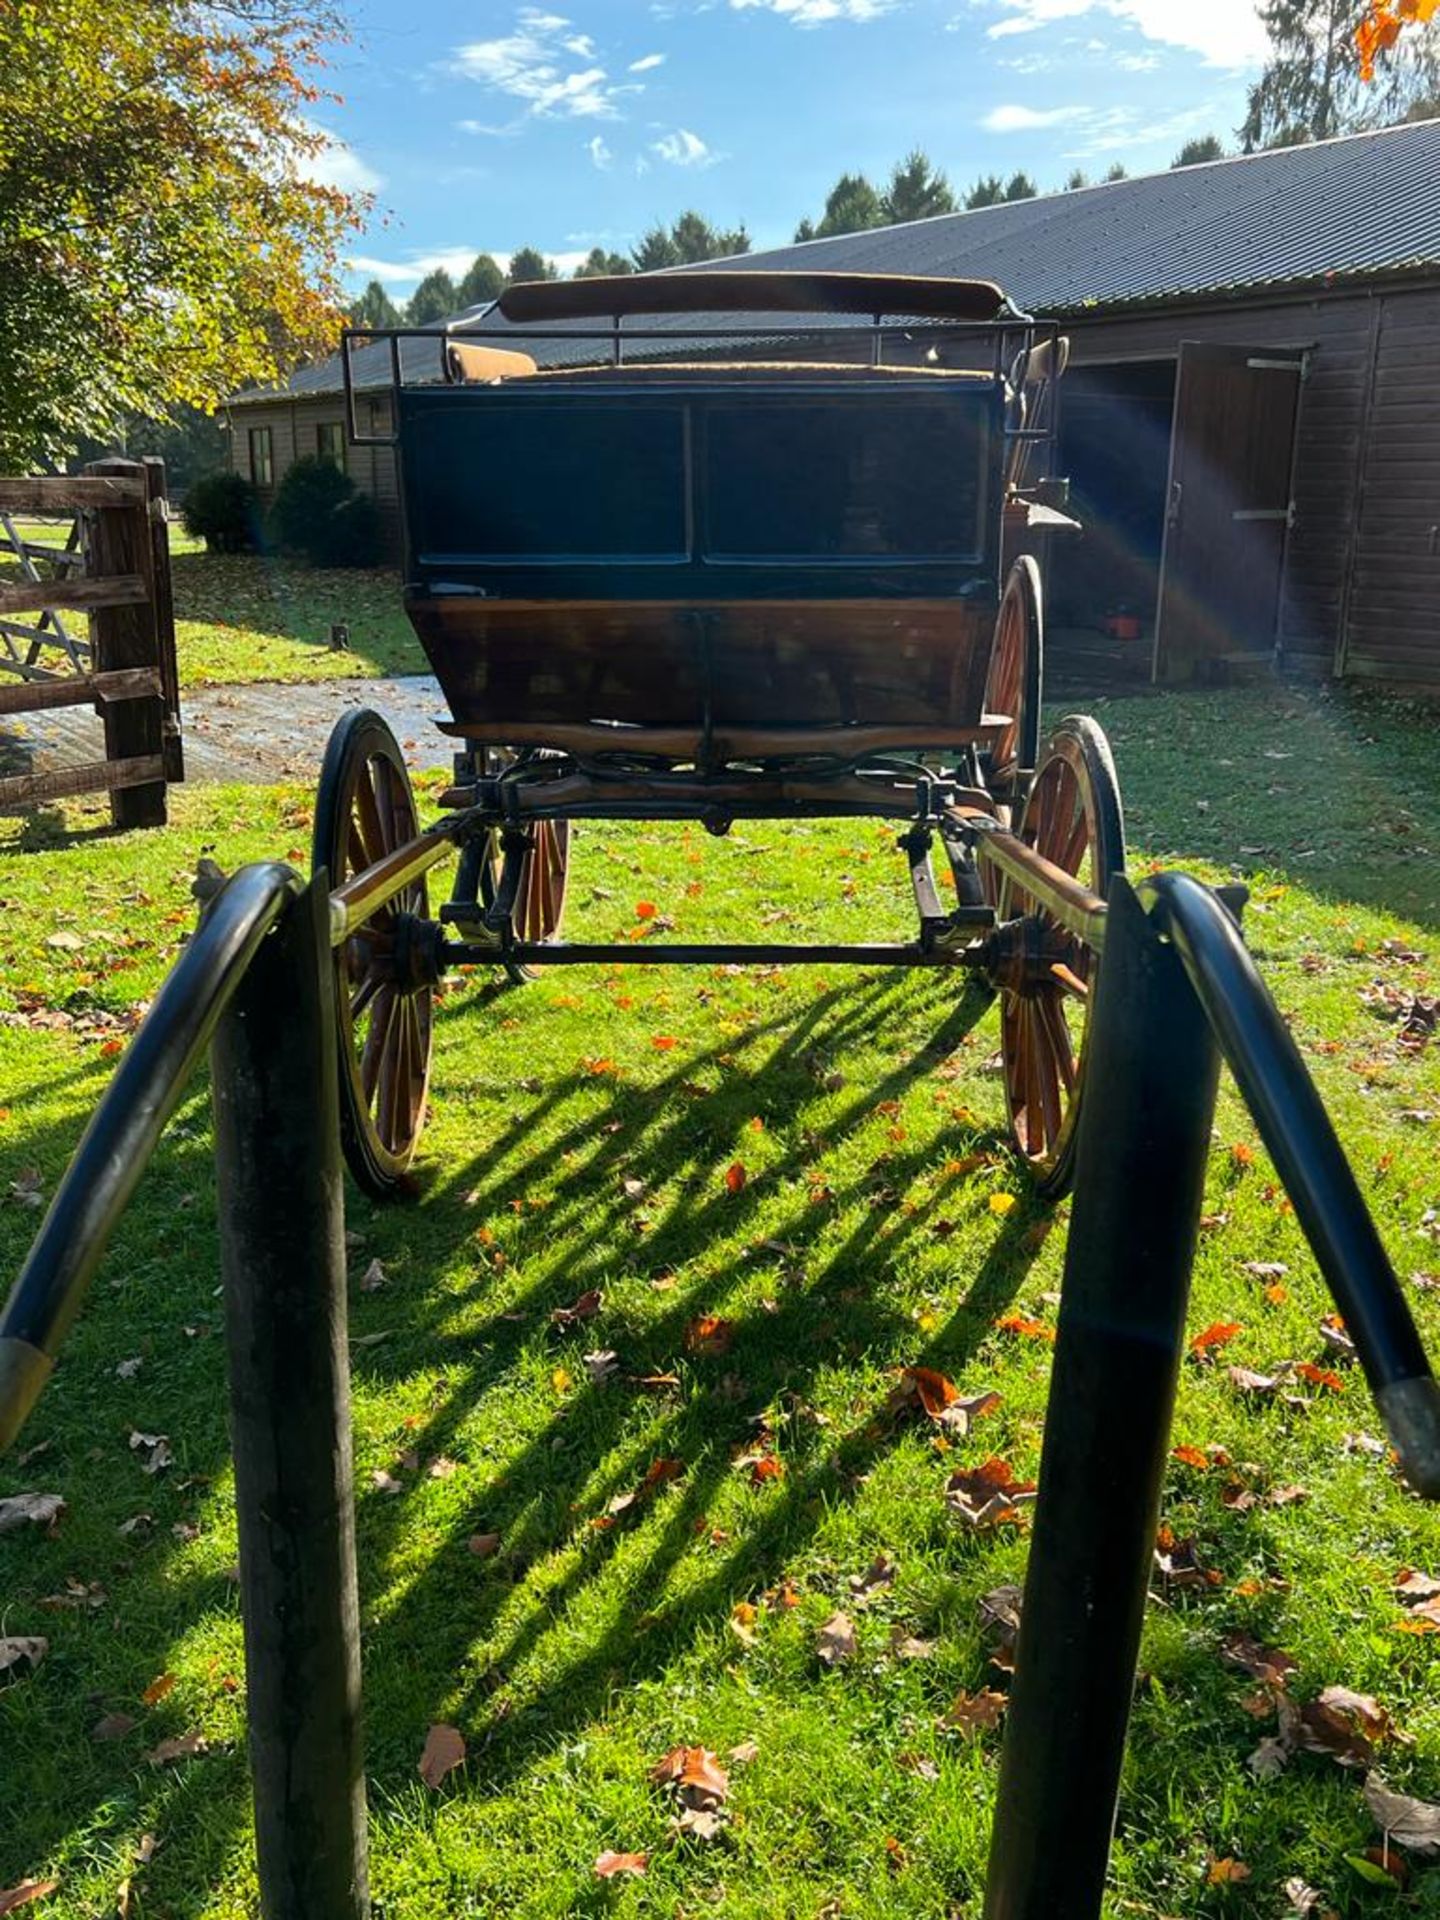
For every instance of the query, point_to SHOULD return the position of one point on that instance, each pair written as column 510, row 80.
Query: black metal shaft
column 675, row 953
column 1150, row 1078
column 1300, row 1138
column 283, row 1265
column 116, row 1146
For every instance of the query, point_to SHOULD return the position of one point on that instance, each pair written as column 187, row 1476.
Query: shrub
column 223, row 510
column 319, row 512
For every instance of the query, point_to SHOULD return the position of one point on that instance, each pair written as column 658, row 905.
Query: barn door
column 1229, row 506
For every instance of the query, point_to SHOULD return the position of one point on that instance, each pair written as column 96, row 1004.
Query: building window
column 330, row 442
column 262, row 457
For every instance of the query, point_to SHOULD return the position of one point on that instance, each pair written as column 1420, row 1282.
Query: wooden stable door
column 1229, row 506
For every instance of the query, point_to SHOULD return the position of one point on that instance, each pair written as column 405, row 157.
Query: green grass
column 247, row 617
column 867, row 1114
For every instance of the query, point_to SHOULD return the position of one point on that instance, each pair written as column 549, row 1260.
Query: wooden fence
column 113, row 567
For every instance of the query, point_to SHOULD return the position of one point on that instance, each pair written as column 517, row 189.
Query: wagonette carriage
column 742, row 562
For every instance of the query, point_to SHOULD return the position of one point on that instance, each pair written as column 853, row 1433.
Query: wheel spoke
column 382, row 1013
column 367, row 814
column 1057, row 1028
column 1047, row 1068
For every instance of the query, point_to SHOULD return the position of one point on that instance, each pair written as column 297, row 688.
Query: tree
column 374, row 308
column 988, row 191
column 530, row 264
column 434, row 299
column 1079, row 178
column 917, row 191
column 1195, row 153
column 851, row 206
column 163, row 234
column 1020, row 187
column 598, row 262
column 482, row 282
column 1117, row 172
column 1313, row 86
column 685, row 243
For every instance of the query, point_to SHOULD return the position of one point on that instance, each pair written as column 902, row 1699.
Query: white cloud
column 543, row 64
column 647, row 63
column 1024, row 119
column 337, row 165
column 600, row 154
column 454, row 260
column 684, row 149
column 1225, row 33
column 1117, row 128
column 819, row 13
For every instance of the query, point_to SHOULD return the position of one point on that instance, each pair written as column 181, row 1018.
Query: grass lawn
column 582, row 1135
column 242, row 617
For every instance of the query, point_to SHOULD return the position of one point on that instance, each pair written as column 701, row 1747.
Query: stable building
column 1250, row 422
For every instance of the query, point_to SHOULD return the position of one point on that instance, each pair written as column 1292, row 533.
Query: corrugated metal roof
column 1342, row 209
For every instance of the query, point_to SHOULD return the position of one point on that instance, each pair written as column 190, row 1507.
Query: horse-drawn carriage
column 743, row 562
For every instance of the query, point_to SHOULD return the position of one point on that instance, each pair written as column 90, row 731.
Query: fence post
column 275, row 1092
column 1150, row 1080
column 157, row 507
column 117, row 541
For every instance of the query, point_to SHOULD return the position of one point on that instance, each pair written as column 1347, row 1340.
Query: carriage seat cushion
column 471, row 364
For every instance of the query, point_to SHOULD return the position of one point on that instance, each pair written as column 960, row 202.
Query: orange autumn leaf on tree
column 1382, row 26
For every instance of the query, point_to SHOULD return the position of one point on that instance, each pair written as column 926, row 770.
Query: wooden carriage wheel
column 1013, row 684
column 384, row 1005
column 540, row 900
column 1073, row 818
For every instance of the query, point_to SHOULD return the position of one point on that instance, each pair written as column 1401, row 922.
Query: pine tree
column 851, row 206
column 917, row 191
column 434, row 299
column 1196, row 152
column 530, row 264
column 483, row 282
column 686, row 242
column 598, row 263
column 374, row 308
column 1020, row 187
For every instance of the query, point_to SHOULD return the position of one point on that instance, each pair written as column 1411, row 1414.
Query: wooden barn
column 1250, row 423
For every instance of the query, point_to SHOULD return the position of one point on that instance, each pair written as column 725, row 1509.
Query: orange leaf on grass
column 709, row 1335
column 157, row 1689
column 13, row 1897
column 608, row 1864
column 1218, row 1334
column 767, row 1468
column 1192, row 1457
column 662, row 1042
column 444, row 1751
column 644, row 909
column 932, row 1389
column 736, row 1176
column 1023, row 1328
column 1318, row 1376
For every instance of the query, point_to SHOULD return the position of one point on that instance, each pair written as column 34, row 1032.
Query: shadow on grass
column 545, row 1496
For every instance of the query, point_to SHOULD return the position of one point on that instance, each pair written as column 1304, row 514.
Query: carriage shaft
column 364, row 895
column 1078, row 910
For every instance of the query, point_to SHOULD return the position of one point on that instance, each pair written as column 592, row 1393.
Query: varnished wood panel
column 767, row 663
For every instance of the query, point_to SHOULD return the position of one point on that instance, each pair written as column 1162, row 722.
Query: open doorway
column 1113, row 444
column 1182, row 480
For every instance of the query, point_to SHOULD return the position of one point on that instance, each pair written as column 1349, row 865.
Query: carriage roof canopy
column 916, row 296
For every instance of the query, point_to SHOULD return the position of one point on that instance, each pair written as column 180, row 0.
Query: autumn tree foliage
column 1336, row 66
column 164, row 234
column 1384, row 22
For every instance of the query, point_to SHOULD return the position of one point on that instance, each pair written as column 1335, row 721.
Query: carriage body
column 706, row 557
column 744, row 538
column 744, row 561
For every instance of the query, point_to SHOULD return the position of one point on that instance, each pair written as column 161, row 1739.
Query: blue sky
column 485, row 126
